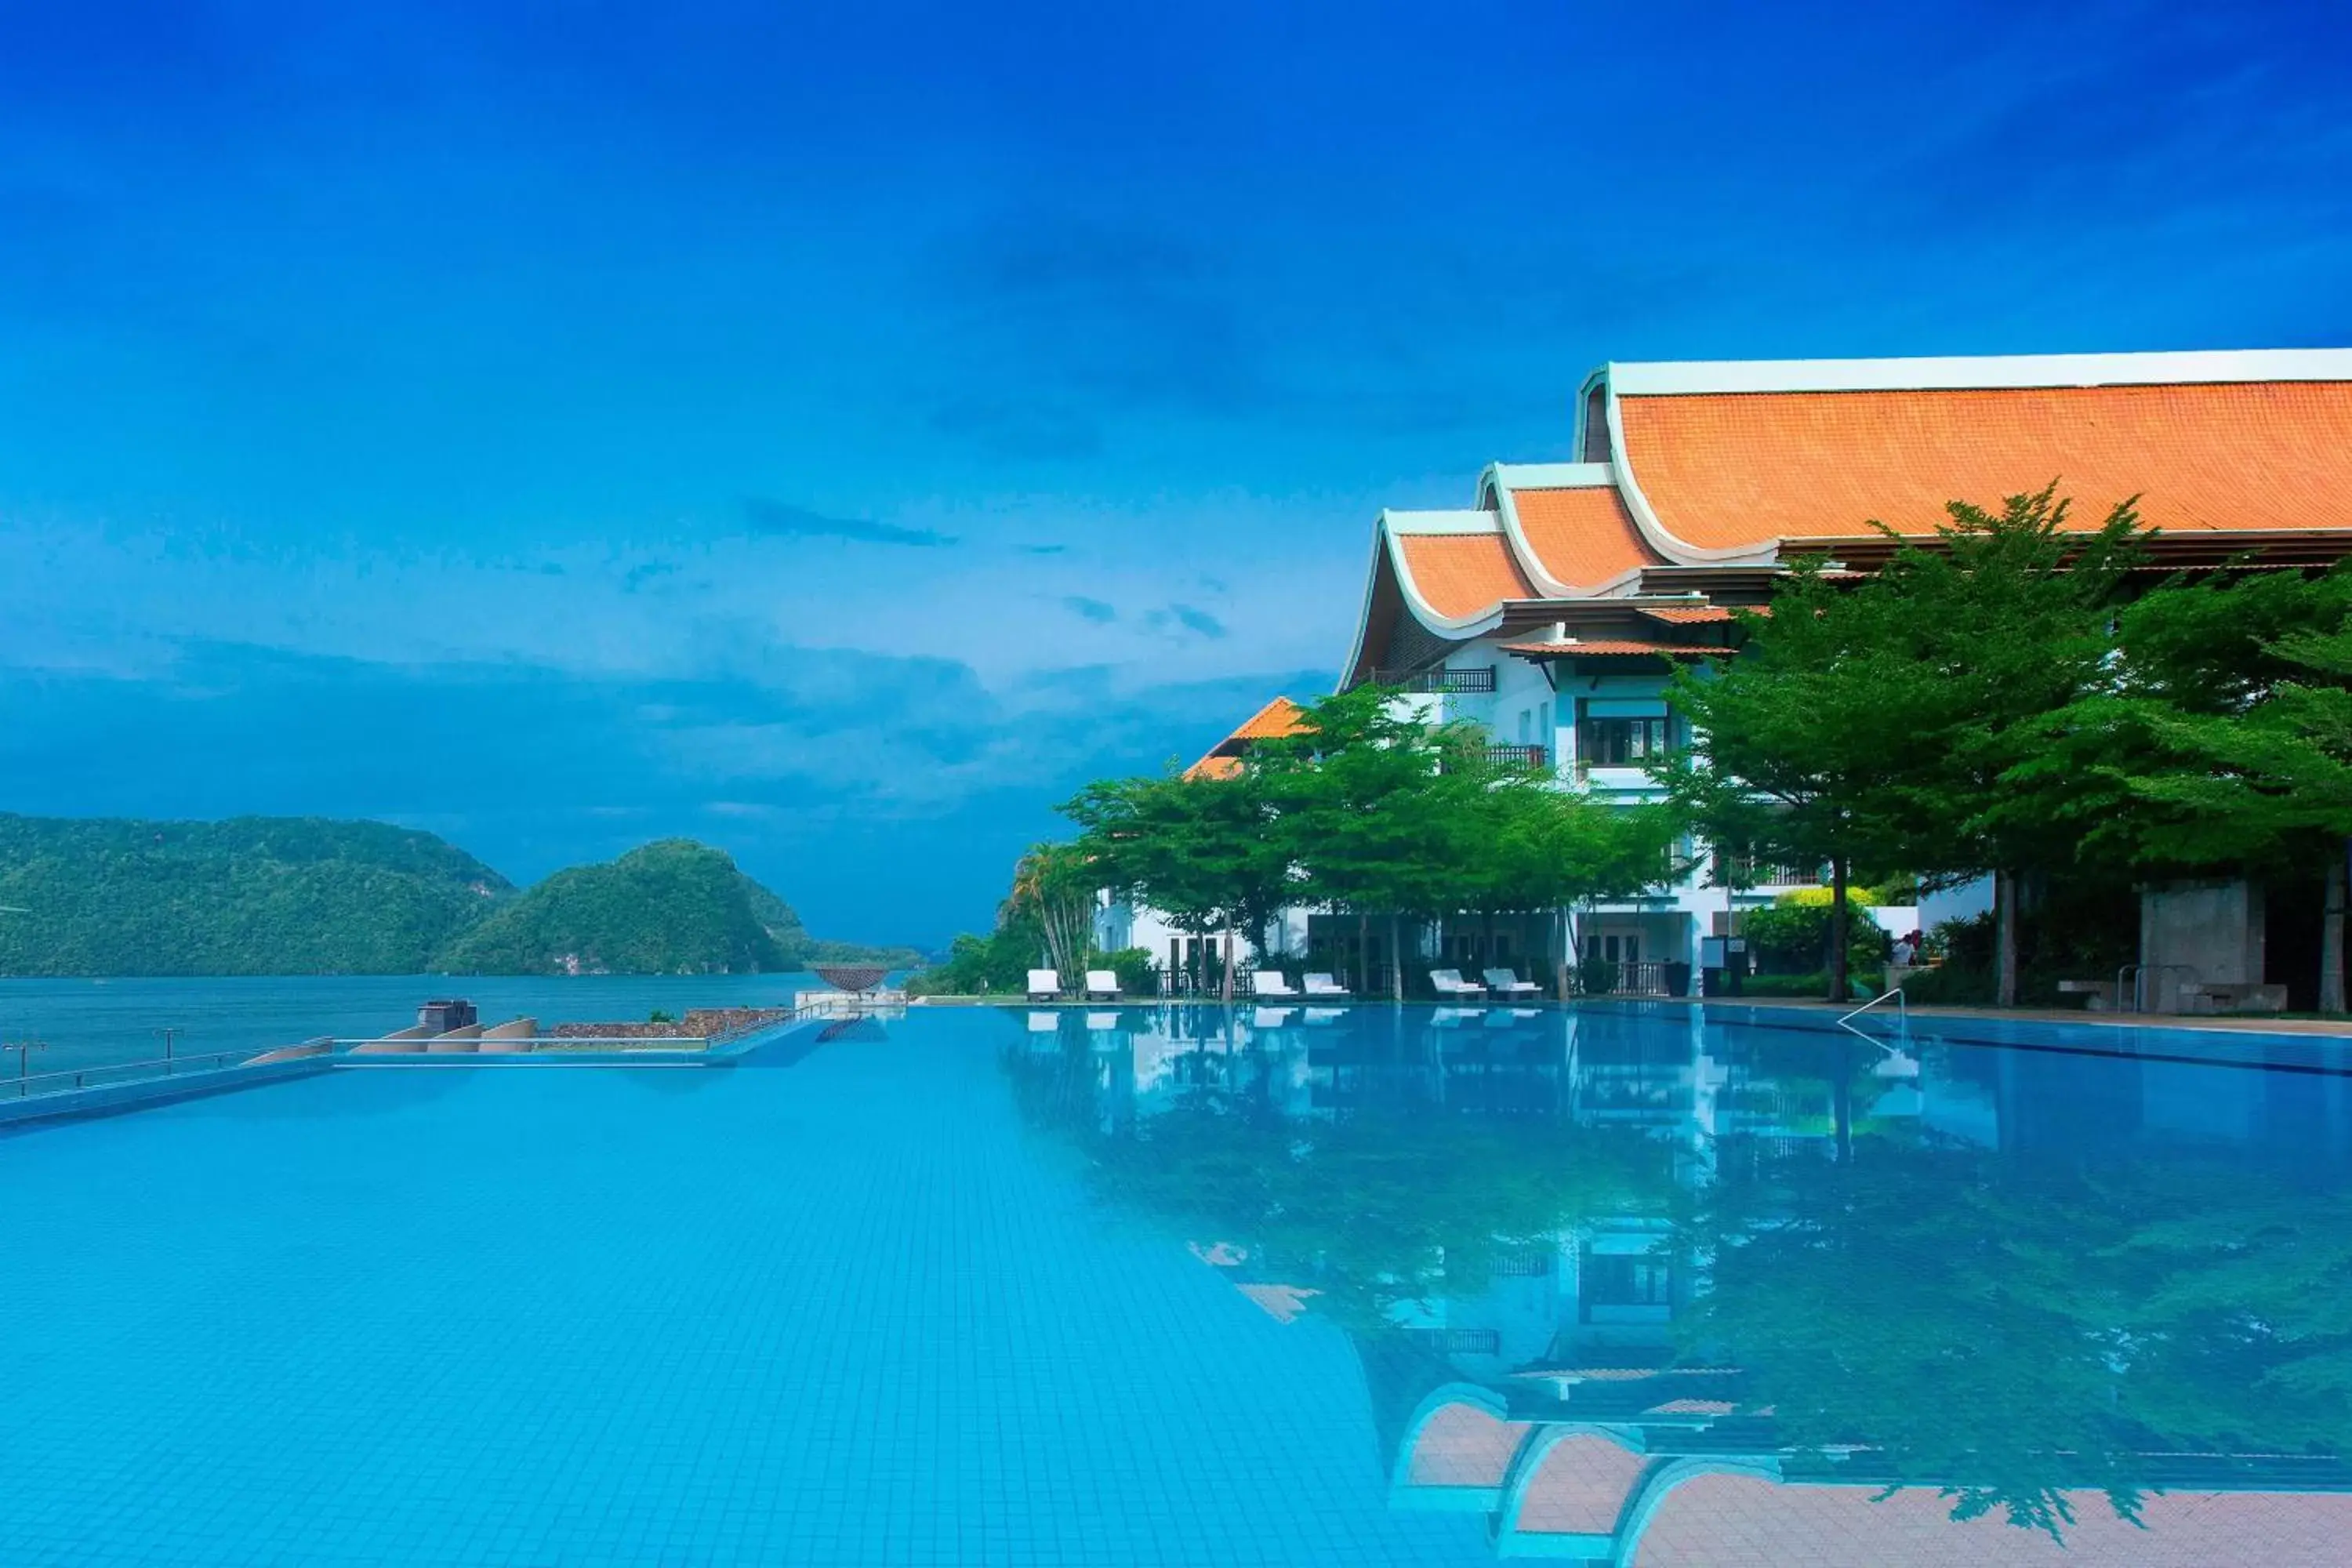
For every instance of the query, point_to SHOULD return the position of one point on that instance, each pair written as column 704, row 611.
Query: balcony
column 1426, row 681
column 1535, row 759
column 1747, row 871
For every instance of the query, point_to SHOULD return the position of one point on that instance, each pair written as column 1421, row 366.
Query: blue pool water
column 1189, row 1286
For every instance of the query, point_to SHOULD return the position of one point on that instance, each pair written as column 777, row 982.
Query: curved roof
column 1461, row 1444
column 1580, row 540
column 1709, row 1519
column 1460, row 576
column 1579, row 1485
column 1721, row 464
column 1727, row 472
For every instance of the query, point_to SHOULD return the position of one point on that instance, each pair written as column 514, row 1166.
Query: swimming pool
column 1193, row 1286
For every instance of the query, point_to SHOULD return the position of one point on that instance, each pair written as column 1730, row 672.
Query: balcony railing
column 1535, row 759
column 1747, row 871
column 1438, row 680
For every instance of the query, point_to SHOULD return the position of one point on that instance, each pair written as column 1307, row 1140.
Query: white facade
column 1538, row 702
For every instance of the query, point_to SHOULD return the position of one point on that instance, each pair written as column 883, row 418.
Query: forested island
column 313, row 895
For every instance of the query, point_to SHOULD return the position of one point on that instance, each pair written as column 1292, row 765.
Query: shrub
column 1795, row 938
column 1822, row 898
column 1597, row 976
column 1860, row 985
column 1133, row 965
column 1814, row 985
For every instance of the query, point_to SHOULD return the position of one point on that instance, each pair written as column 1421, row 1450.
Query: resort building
column 1551, row 609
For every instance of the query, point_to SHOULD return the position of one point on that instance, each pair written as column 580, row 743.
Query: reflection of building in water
column 1651, row 1467
column 1547, row 1381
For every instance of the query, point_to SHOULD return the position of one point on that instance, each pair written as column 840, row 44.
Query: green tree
column 2005, row 621
column 1793, row 755
column 1537, row 846
column 1378, row 807
column 1205, row 852
column 2225, row 739
column 1054, row 889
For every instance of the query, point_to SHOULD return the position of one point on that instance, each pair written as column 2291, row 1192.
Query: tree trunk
column 1228, row 984
column 1363, row 953
column 1837, row 929
column 2331, row 934
column 1396, row 959
column 2004, row 903
column 1560, row 965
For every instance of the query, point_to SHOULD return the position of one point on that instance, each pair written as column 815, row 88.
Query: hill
column 673, row 907
column 253, row 895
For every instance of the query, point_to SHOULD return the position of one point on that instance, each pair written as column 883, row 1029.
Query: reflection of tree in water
column 2005, row 1332
column 1389, row 1202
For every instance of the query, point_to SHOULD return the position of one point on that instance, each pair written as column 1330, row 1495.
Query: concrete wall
column 2208, row 930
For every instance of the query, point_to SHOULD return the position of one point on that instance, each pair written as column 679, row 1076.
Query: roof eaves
column 1977, row 373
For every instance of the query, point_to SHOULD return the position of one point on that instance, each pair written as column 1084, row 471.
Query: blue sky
column 835, row 433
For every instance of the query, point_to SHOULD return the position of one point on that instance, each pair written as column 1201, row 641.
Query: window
column 1524, row 720
column 1621, row 1280
column 1543, row 724
column 1622, row 743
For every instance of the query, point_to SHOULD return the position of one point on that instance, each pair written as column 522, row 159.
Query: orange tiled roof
column 1461, row 574
column 1580, row 1486
column 1463, row 1446
column 1698, row 616
column 1608, row 648
column 1727, row 471
column 1712, row 1520
column 1278, row 719
column 1581, row 538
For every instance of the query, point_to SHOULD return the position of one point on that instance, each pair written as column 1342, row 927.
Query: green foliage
column 670, row 907
column 1795, row 938
column 1816, row 984
column 1597, row 976
column 247, row 896
column 308, row 896
column 2015, row 1330
column 1133, row 965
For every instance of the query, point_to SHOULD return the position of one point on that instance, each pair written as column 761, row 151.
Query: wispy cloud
column 1197, row 620
column 1094, row 610
column 781, row 520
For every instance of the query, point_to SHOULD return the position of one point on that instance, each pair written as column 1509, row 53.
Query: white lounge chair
column 1045, row 985
column 1323, row 985
column 1102, row 986
column 1507, row 982
column 1270, row 983
column 1449, row 983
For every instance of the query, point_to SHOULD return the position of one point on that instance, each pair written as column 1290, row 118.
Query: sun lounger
column 1043, row 986
column 1449, row 983
column 1507, row 982
column 1102, row 986
column 1323, row 985
column 1270, row 983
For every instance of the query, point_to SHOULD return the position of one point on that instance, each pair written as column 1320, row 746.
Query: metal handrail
column 2139, row 973
column 27, row 1086
column 1902, row 1007
column 1844, row 1021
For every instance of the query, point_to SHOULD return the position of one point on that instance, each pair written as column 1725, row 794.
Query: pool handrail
column 24, row 1085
